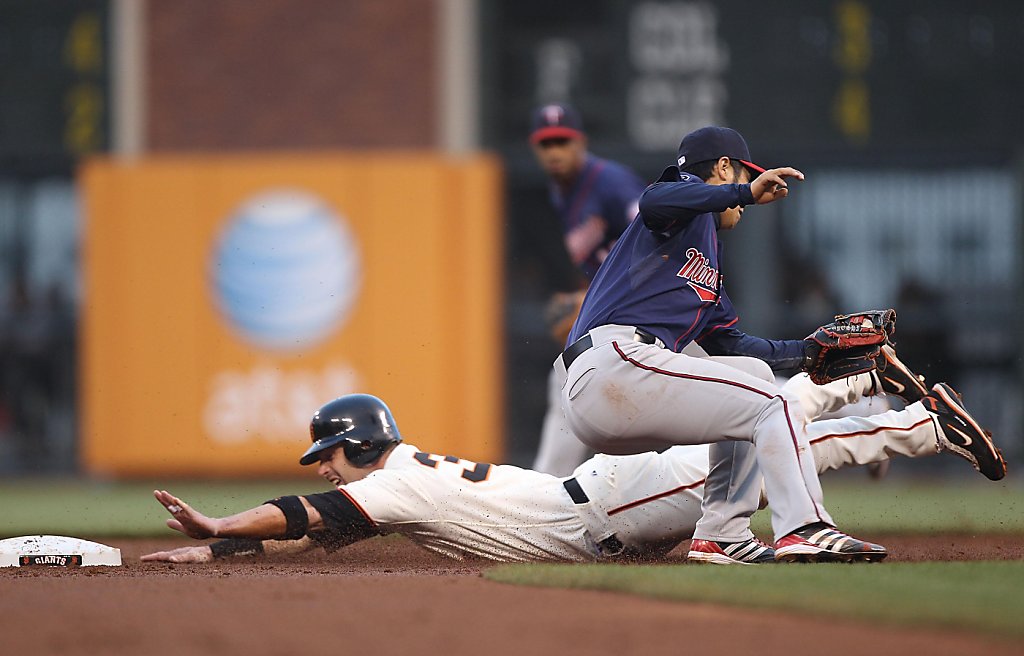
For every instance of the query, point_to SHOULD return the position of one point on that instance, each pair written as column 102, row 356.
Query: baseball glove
column 847, row 346
column 561, row 312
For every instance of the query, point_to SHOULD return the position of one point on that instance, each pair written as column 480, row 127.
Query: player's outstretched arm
column 771, row 185
column 201, row 554
column 263, row 522
column 206, row 553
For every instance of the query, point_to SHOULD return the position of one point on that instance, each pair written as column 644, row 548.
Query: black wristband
column 294, row 514
column 236, row 547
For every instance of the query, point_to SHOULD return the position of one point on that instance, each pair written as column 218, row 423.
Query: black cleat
column 961, row 434
column 894, row 377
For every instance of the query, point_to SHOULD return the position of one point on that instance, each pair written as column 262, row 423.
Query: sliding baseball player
column 641, row 505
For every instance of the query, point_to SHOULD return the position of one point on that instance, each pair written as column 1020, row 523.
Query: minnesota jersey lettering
column 702, row 278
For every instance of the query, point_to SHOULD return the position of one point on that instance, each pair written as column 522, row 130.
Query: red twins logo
column 701, row 278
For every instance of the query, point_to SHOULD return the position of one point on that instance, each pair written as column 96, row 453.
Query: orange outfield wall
column 227, row 297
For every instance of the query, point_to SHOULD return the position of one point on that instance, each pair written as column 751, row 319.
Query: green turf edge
column 979, row 597
column 960, row 505
column 125, row 509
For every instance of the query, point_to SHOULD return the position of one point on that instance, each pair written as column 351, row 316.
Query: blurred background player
column 595, row 200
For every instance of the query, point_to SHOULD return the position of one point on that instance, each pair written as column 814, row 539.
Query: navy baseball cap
column 555, row 121
column 714, row 142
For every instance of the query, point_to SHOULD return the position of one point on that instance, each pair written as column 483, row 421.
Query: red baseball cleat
column 821, row 543
column 748, row 552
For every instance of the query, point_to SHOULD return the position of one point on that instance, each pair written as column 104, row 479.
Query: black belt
column 611, row 545
column 585, row 342
column 575, row 490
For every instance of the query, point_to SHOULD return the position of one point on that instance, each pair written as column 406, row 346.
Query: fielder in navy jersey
column 668, row 279
column 595, row 199
column 627, row 388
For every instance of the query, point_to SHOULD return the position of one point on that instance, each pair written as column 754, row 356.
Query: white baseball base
column 55, row 551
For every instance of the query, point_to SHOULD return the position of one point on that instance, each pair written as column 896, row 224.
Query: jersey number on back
column 478, row 473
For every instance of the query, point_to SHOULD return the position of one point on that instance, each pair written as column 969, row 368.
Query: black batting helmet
column 360, row 423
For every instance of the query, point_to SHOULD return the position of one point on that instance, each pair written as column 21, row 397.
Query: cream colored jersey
column 461, row 508
column 650, row 502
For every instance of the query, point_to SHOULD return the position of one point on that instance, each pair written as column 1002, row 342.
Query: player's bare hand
column 771, row 185
column 186, row 519
column 182, row 555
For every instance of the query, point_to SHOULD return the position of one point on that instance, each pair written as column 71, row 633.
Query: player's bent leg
column 856, row 396
column 850, row 441
column 817, row 400
column 814, row 541
column 917, row 431
column 630, row 397
column 732, row 491
column 862, row 440
column 750, row 366
column 651, row 501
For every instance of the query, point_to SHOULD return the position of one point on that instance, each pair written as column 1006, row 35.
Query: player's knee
column 756, row 368
column 782, row 408
column 750, row 366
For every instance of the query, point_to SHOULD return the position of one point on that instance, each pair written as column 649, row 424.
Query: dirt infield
column 390, row 597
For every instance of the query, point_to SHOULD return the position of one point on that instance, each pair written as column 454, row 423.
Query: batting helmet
column 361, row 424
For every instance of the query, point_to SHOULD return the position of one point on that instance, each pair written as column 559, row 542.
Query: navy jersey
column 663, row 276
column 605, row 189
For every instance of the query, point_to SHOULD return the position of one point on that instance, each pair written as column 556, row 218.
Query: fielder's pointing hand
column 771, row 185
column 187, row 520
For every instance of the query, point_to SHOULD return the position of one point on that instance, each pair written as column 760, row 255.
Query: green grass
column 125, row 509
column 957, row 505
column 983, row 597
